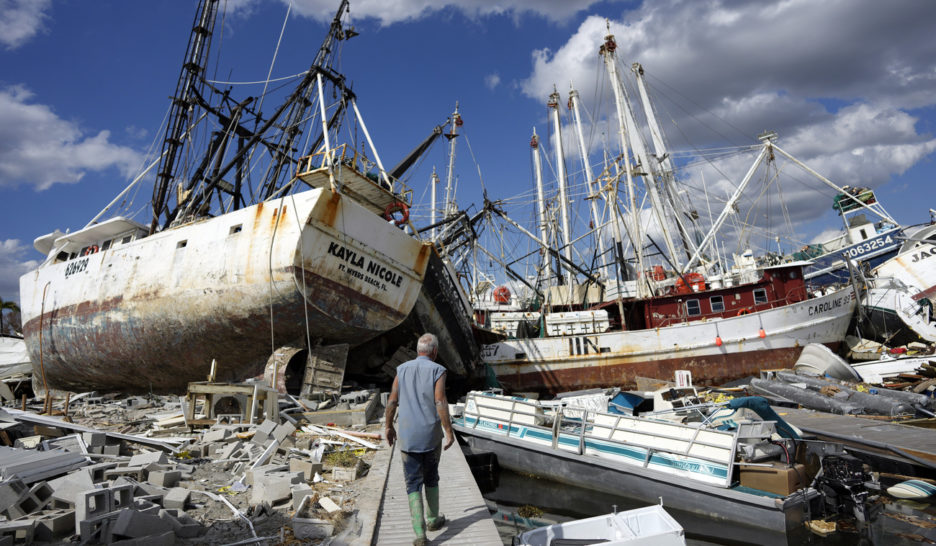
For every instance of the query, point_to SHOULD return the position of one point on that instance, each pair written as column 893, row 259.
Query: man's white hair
column 427, row 344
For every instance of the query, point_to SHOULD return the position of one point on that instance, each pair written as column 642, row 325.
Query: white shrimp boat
column 222, row 271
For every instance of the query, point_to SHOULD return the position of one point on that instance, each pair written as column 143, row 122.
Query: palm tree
column 4, row 306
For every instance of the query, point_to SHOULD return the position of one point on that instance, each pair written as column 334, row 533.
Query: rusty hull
column 621, row 371
column 151, row 315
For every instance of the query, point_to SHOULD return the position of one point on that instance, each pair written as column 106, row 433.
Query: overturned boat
column 233, row 264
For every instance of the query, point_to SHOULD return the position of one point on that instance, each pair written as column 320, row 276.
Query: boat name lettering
column 377, row 274
column 76, row 267
column 488, row 351
column 921, row 255
column 829, row 305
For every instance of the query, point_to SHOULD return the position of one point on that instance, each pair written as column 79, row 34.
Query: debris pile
column 224, row 463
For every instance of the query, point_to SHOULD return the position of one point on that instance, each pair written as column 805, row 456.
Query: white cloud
column 408, row 10
column 834, row 80
column 20, row 20
column 12, row 266
column 491, row 81
column 39, row 148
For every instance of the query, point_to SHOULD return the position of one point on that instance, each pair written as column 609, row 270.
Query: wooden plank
column 468, row 519
column 325, row 369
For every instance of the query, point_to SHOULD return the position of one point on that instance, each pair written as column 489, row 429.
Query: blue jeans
column 421, row 468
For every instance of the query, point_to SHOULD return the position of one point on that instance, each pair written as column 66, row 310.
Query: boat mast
column 433, row 183
column 183, row 109
column 589, row 177
column 667, row 173
column 647, row 170
column 541, row 208
column 450, row 207
column 553, row 105
column 607, row 52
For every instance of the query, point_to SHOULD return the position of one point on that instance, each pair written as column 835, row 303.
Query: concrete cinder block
column 307, row 468
column 183, row 525
column 264, row 432
column 299, row 492
column 113, row 449
column 10, row 492
column 251, row 475
column 270, row 488
column 144, row 459
column 281, row 432
column 54, row 525
column 176, row 498
column 135, row 472
column 133, row 524
column 165, row 478
column 97, row 471
column 92, row 504
column 122, row 496
column 93, row 439
column 21, row 531
column 216, row 435
column 98, row 529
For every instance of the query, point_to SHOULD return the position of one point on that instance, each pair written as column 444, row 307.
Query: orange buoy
column 762, row 333
column 718, row 341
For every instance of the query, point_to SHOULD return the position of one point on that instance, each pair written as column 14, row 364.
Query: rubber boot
column 434, row 519
column 416, row 514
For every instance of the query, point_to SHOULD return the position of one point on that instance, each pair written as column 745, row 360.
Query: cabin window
column 760, row 296
column 792, row 274
column 520, row 356
column 61, row 257
column 235, row 229
column 864, row 234
column 181, row 244
column 72, row 256
column 717, row 303
column 126, row 239
column 693, row 309
column 106, row 244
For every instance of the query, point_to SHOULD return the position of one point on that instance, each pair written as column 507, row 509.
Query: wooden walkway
column 468, row 519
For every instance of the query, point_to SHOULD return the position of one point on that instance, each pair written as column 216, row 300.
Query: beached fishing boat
column 899, row 298
column 723, row 465
column 718, row 333
column 862, row 241
column 627, row 316
column 231, row 265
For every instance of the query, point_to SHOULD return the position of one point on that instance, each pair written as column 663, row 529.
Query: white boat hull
column 153, row 313
column 565, row 363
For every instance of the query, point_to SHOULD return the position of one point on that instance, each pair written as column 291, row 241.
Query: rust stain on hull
column 706, row 370
column 161, row 344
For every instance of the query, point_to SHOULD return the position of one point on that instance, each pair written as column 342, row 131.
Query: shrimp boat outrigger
column 239, row 257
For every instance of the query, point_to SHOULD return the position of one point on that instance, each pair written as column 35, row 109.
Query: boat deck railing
column 635, row 440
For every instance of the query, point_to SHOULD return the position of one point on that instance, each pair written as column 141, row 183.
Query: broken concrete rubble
column 149, row 470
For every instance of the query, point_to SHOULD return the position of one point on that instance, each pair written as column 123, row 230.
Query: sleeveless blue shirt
column 418, row 424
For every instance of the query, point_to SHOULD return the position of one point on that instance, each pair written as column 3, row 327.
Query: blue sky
column 850, row 86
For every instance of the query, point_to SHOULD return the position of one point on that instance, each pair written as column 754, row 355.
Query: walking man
column 419, row 391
